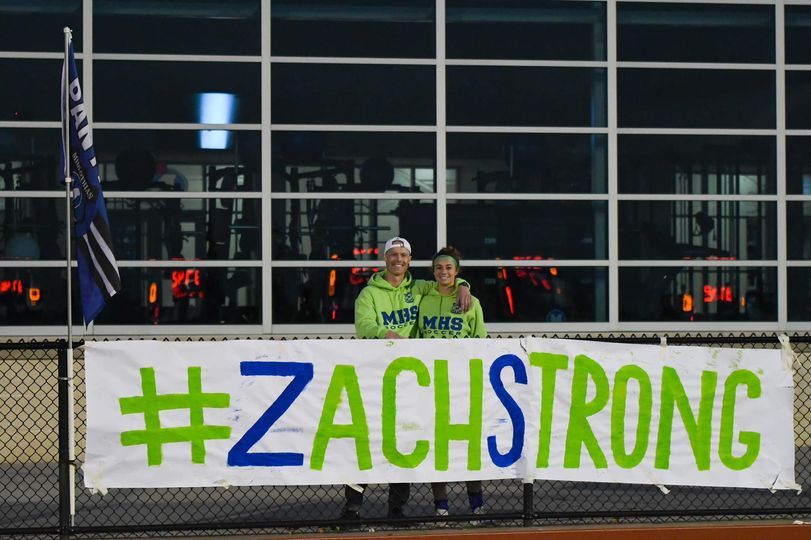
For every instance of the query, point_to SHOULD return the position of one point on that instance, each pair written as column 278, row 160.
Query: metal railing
column 35, row 480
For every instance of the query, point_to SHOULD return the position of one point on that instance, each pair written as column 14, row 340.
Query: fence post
column 64, row 441
column 529, row 510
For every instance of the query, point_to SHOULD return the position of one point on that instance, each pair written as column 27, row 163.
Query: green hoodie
column 381, row 307
column 440, row 317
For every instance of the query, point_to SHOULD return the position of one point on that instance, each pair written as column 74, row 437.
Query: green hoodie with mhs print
column 381, row 307
column 440, row 317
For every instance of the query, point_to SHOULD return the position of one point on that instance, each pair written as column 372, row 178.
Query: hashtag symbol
column 150, row 404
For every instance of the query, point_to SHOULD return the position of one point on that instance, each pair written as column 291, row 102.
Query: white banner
column 376, row 411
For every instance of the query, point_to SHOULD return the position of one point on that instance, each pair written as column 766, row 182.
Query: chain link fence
column 34, row 481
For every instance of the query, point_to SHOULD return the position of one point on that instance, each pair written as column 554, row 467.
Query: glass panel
column 798, row 165
column 696, row 98
column 697, row 164
column 168, row 160
column 377, row 28
column 321, row 229
column 798, row 39
column 526, row 163
column 30, row 89
column 540, row 294
column 36, row 296
column 798, row 107
column 799, row 296
column 177, row 27
column 526, row 96
column 727, row 230
column 317, row 295
column 528, row 229
column 515, row 29
column 319, row 161
column 698, row 294
column 695, row 33
column 186, row 296
column 204, row 92
column 799, row 230
column 190, row 229
column 353, row 94
column 32, row 228
column 507, row 294
column 37, row 26
column 30, row 159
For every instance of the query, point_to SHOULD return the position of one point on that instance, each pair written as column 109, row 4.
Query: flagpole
column 68, row 256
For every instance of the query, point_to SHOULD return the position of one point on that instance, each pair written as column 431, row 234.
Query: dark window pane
column 697, row 230
column 540, row 294
column 799, row 230
column 798, row 99
column 666, row 32
column 698, row 294
column 36, row 296
column 30, row 89
column 526, row 163
column 320, row 229
column 526, row 96
column 511, row 29
column 798, row 165
column 697, row 164
column 696, row 98
column 527, row 229
column 176, row 92
column 177, row 27
column 376, row 28
column 799, row 296
column 32, row 228
column 318, row 161
column 169, row 160
column 30, row 159
column 37, row 26
column 189, row 295
column 798, row 34
column 353, row 94
column 304, row 295
column 191, row 229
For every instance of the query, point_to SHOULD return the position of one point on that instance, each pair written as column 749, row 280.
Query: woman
column 441, row 317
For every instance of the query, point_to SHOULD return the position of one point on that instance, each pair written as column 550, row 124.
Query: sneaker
column 479, row 510
column 348, row 520
column 441, row 512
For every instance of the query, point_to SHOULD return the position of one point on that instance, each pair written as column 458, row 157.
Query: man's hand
column 393, row 335
column 464, row 297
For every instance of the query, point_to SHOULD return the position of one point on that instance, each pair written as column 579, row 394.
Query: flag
column 99, row 279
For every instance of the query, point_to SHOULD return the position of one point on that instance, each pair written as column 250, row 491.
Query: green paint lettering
column 444, row 431
column 699, row 430
column 579, row 432
column 618, row 409
column 344, row 378
column 550, row 364
column 750, row 439
column 389, row 414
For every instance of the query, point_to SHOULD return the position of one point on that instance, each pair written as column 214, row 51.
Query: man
column 387, row 308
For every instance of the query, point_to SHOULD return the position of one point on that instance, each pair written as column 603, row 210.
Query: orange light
column 687, row 302
column 553, row 271
column 710, row 294
column 153, row 292
column 34, row 294
column 509, row 293
column 331, row 291
column 334, row 256
column 743, row 301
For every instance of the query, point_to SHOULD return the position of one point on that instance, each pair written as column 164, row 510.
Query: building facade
column 603, row 165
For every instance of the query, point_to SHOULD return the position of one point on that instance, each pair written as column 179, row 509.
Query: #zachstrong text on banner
column 334, row 412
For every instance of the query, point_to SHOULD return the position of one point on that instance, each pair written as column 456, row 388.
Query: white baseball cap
column 397, row 242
